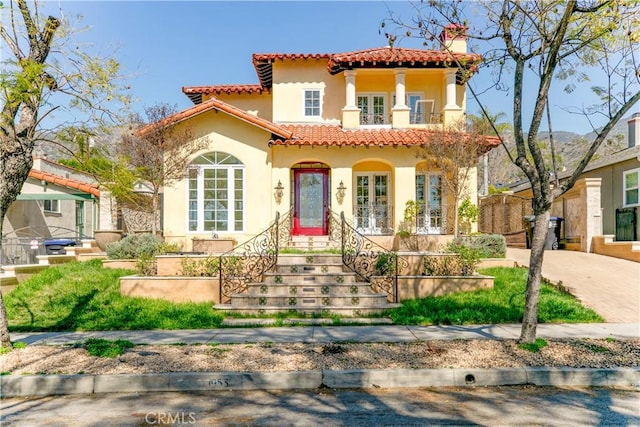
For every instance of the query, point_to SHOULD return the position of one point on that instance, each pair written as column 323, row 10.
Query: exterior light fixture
column 341, row 192
column 279, row 192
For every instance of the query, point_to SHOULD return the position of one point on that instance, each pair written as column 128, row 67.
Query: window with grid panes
column 216, row 193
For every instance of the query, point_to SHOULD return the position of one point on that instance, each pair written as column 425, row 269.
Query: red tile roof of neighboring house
column 333, row 135
column 195, row 92
column 400, row 57
column 216, row 104
column 65, row 182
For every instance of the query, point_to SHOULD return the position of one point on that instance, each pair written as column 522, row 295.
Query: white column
column 450, row 77
column 400, row 89
column 350, row 76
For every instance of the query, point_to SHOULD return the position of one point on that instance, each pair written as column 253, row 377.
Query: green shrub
column 201, row 267
column 487, row 245
column 146, row 265
column 467, row 214
column 442, row 265
column 135, row 245
column 385, row 264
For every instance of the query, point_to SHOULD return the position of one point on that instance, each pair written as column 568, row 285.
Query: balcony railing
column 425, row 118
column 373, row 219
column 435, row 219
column 374, row 119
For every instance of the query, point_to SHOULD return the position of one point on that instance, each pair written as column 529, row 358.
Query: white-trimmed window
column 312, row 103
column 216, row 194
column 51, row 206
column 373, row 109
column 631, row 183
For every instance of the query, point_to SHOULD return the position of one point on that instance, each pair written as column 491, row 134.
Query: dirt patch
column 267, row 357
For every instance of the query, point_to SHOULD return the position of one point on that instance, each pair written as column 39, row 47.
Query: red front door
column 311, row 202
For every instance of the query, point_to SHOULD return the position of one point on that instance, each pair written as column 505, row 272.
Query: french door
column 311, row 202
column 372, row 209
column 430, row 209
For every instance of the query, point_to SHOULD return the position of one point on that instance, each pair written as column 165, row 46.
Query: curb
column 47, row 385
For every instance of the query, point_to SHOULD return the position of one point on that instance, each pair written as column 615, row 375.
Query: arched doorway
column 310, row 199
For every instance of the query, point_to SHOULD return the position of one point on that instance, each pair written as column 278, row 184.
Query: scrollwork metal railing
column 247, row 262
column 284, row 229
column 371, row 262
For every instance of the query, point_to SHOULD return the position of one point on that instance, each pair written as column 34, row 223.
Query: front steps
column 311, row 243
column 311, row 284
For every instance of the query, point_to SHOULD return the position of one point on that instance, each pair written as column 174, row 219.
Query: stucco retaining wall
column 410, row 287
column 174, row 289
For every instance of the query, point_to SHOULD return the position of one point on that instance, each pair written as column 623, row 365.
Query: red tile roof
column 65, row 182
column 257, row 57
column 216, row 104
column 400, row 57
column 195, row 92
column 333, row 135
column 384, row 57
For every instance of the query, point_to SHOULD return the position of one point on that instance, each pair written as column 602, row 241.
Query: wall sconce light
column 279, row 192
column 341, row 192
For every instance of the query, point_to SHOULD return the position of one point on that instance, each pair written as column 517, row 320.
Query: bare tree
column 536, row 44
column 159, row 151
column 454, row 152
column 36, row 68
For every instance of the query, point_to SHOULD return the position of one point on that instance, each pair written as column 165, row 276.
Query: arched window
column 216, row 193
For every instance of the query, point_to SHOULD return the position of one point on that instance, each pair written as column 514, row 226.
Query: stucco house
column 322, row 133
column 601, row 211
column 55, row 202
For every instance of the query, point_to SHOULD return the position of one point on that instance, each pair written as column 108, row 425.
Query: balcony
column 425, row 118
column 374, row 119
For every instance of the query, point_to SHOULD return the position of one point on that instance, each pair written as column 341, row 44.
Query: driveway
column 608, row 285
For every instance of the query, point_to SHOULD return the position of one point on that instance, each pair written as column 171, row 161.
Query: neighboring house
column 604, row 202
column 321, row 133
column 55, row 202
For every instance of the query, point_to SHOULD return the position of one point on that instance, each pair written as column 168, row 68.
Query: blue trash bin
column 57, row 246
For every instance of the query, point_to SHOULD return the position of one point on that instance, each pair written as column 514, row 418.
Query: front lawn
column 86, row 297
column 502, row 304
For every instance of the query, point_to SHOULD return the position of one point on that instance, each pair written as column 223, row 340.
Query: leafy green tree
column 540, row 45
column 41, row 73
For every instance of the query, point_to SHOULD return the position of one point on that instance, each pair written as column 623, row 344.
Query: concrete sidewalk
column 610, row 286
column 329, row 334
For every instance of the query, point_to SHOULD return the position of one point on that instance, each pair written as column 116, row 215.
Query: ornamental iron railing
column 247, row 262
column 371, row 262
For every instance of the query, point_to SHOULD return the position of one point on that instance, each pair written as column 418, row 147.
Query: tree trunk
column 14, row 169
column 154, row 212
column 5, row 338
column 530, row 317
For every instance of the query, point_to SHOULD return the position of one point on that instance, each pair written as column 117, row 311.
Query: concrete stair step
column 357, row 288
column 303, row 278
column 309, row 259
column 320, row 300
column 311, row 321
column 310, row 269
column 310, row 310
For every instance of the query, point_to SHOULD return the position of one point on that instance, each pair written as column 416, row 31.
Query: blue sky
column 164, row 45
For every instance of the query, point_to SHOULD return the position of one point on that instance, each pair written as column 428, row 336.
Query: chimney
column 634, row 130
column 454, row 38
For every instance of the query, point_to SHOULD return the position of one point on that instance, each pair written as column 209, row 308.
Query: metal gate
column 626, row 225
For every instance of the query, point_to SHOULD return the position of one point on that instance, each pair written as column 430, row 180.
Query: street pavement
column 610, row 286
column 492, row 406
